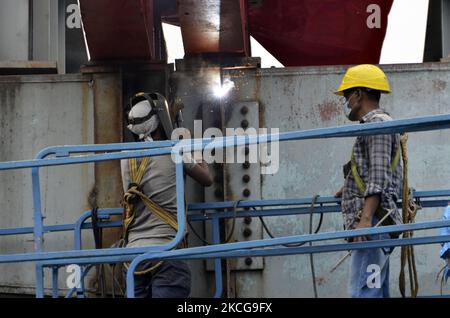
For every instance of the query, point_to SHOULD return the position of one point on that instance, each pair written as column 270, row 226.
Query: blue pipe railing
column 104, row 214
column 137, row 150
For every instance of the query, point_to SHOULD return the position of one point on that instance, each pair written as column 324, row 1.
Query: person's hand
column 339, row 193
column 363, row 224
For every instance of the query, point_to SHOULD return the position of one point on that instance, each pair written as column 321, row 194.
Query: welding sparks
column 222, row 90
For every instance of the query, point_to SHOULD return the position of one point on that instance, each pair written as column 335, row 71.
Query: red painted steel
column 325, row 32
column 214, row 26
column 296, row 32
column 119, row 29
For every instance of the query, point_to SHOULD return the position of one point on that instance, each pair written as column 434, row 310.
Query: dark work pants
column 172, row 279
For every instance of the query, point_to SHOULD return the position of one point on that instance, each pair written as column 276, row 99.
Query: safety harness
column 359, row 181
column 133, row 195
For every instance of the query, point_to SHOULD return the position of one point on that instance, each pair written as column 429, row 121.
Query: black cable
column 232, row 227
column 97, row 231
column 311, row 255
column 197, row 235
column 266, row 228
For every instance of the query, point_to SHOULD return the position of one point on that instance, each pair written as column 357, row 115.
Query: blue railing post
column 217, row 262
column 39, row 280
column 55, row 291
column 37, row 229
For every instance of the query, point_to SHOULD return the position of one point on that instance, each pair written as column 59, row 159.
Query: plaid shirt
column 374, row 155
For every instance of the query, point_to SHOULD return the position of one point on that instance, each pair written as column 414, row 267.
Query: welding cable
column 442, row 279
column 311, row 255
column 115, row 282
column 266, row 228
column 232, row 226
column 197, row 235
column 100, row 269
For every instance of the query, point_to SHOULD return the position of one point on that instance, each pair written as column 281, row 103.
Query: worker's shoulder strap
column 354, row 167
column 137, row 173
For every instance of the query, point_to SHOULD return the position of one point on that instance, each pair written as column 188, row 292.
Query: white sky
column 404, row 43
column 405, row 38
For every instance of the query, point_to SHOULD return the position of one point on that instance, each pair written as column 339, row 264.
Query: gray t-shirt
column 158, row 183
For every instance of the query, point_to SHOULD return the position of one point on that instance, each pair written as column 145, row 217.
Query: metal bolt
column 246, row 193
column 244, row 110
column 244, row 124
column 247, row 232
column 246, row 178
column 246, row 165
column 248, row 261
column 247, row 220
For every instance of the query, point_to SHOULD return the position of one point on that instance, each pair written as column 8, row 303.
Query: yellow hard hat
column 365, row 75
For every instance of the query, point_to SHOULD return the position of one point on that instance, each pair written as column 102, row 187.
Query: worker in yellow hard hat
column 373, row 179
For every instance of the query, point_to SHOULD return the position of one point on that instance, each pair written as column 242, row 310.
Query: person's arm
column 200, row 173
column 379, row 176
column 338, row 194
column 370, row 206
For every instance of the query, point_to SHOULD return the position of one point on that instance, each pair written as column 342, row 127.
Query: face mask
column 347, row 109
column 145, row 129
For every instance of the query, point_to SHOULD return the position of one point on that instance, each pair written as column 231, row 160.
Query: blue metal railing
column 216, row 216
column 62, row 156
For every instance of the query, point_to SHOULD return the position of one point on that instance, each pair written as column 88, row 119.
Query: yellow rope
column 409, row 212
column 130, row 197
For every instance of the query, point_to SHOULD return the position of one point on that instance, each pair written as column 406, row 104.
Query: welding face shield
column 148, row 112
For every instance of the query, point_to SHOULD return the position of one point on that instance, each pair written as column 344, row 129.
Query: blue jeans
column 369, row 270
column 172, row 279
